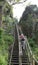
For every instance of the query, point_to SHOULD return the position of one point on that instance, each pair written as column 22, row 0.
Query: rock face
column 29, row 20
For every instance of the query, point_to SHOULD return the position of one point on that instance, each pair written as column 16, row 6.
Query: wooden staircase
column 16, row 58
column 15, row 55
column 25, row 60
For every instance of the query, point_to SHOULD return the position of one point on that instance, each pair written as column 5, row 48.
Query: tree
column 1, row 6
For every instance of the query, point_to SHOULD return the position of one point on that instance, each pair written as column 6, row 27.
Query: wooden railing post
column 33, row 62
column 32, row 59
column 20, row 50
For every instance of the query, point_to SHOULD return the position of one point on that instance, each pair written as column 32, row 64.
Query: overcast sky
column 18, row 9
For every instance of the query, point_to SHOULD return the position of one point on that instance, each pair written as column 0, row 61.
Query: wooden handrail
column 33, row 58
column 11, row 54
column 12, row 50
column 20, row 49
column 29, row 48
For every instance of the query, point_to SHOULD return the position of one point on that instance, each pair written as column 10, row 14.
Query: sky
column 18, row 9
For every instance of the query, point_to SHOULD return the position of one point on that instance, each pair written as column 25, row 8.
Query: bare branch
column 13, row 3
column 18, row 2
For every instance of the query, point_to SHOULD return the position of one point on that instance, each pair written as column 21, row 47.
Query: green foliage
column 6, row 36
column 3, row 59
column 7, row 9
column 26, row 25
column 14, row 0
column 6, row 39
column 31, row 41
column 9, row 39
column 2, row 0
column 17, row 0
column 8, row 19
column 34, row 47
column 1, row 32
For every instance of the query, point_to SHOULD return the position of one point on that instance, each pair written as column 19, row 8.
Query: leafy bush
column 31, row 41
column 5, row 38
column 3, row 59
column 34, row 47
column 5, row 41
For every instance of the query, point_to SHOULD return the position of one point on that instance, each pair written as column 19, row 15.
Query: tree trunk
column 0, row 16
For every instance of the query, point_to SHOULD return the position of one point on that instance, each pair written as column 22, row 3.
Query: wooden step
column 25, row 64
